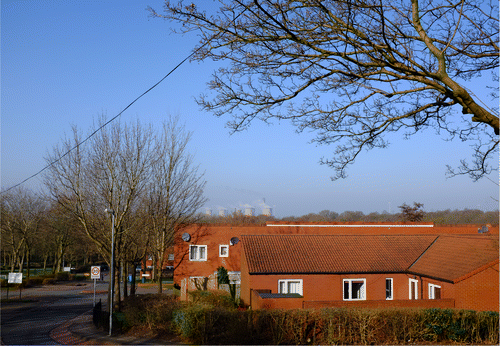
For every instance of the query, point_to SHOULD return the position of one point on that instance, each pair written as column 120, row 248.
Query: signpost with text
column 95, row 273
column 15, row 278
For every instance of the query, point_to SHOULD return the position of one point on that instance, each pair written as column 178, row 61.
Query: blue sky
column 66, row 62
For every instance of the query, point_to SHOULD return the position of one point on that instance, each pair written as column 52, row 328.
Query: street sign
column 15, row 278
column 95, row 272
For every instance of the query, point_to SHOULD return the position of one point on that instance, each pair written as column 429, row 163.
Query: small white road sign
column 15, row 278
column 95, row 272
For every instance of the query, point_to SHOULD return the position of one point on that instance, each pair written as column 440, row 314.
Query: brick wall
column 420, row 303
column 480, row 291
column 274, row 303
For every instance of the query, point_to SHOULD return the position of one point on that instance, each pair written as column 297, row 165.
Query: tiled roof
column 452, row 257
column 268, row 254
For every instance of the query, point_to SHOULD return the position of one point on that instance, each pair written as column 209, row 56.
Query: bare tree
column 146, row 178
column 412, row 214
column 110, row 171
column 354, row 71
column 22, row 212
column 175, row 194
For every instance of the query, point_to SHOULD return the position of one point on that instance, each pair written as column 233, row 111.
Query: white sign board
column 15, row 278
column 95, row 272
column 66, row 269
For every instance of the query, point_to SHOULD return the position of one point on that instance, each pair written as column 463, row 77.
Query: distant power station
column 268, row 211
column 247, row 211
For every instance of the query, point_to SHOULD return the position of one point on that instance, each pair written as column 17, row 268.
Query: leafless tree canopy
column 21, row 218
column 412, row 214
column 145, row 176
column 354, row 71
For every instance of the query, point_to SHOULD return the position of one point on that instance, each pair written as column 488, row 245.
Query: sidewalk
column 81, row 331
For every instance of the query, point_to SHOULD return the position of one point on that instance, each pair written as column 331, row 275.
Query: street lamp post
column 112, row 269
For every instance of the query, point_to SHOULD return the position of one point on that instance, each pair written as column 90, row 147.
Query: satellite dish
column 234, row 241
column 186, row 237
column 483, row 229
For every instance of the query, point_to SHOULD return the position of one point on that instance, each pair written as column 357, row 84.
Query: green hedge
column 206, row 324
column 152, row 310
column 211, row 318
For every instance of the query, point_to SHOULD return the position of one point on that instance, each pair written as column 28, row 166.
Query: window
column 388, row 289
column 413, row 289
column 197, row 252
column 223, row 250
column 434, row 291
column 354, row 289
column 290, row 286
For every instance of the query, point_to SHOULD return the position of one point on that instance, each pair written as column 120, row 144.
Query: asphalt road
column 43, row 309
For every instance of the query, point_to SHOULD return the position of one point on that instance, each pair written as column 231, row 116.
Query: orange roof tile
column 268, row 254
column 452, row 257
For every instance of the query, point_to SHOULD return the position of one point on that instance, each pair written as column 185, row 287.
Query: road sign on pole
column 15, row 278
column 95, row 272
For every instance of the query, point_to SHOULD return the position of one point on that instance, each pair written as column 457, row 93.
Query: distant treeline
column 466, row 216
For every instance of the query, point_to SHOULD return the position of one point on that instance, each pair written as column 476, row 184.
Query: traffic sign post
column 15, row 278
column 95, row 273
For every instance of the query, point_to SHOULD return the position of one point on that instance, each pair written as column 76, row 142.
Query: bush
column 31, row 282
column 49, row 281
column 77, row 277
column 63, row 276
column 153, row 310
column 189, row 322
column 206, row 324
column 215, row 298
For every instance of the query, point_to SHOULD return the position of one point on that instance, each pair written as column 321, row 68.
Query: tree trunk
column 45, row 258
column 132, row 284
column 27, row 263
column 159, row 279
column 124, row 278
column 12, row 263
column 21, row 263
column 155, row 273
column 118, row 287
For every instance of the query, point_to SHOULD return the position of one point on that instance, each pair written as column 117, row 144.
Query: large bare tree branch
column 352, row 71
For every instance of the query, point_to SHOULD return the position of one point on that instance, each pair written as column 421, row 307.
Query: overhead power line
column 123, row 110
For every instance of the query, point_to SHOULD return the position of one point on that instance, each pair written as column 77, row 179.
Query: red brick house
column 200, row 249
column 305, row 271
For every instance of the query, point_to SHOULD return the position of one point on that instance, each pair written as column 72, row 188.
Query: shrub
column 63, row 276
column 203, row 323
column 153, row 310
column 31, row 282
column 214, row 298
column 77, row 277
column 189, row 322
column 49, row 281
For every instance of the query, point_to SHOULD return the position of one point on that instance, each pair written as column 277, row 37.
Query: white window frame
column 363, row 289
column 392, row 288
column 409, row 288
column 197, row 254
column 431, row 290
column 220, row 250
column 286, row 282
